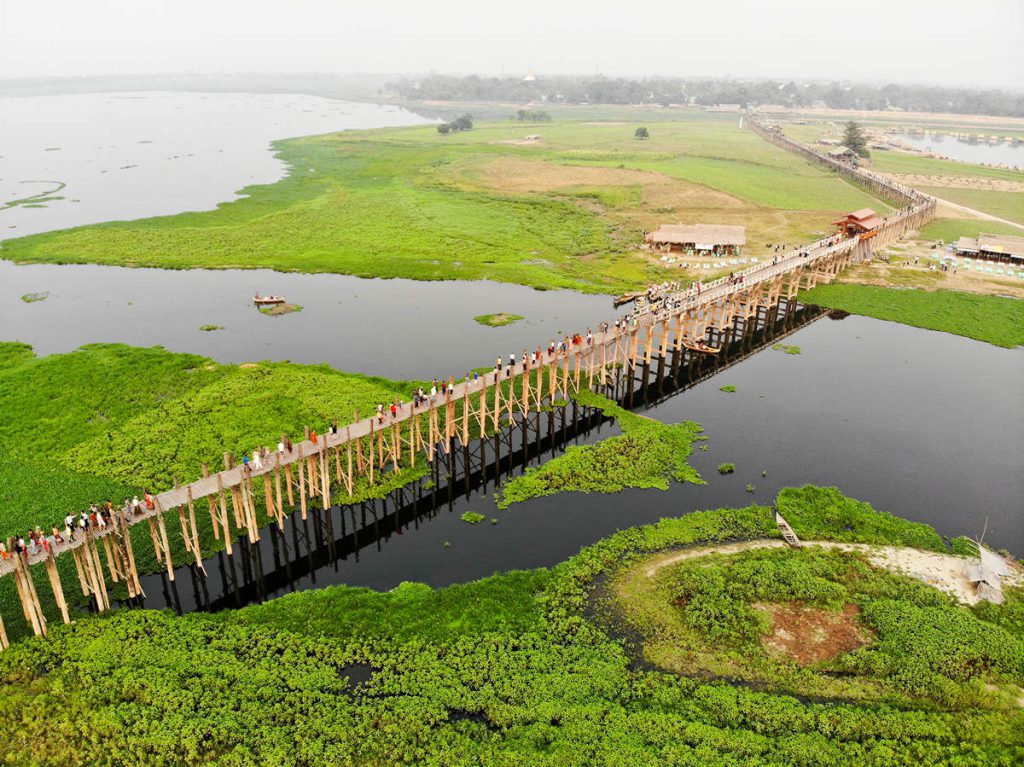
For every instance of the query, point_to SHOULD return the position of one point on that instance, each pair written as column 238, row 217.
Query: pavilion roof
column 708, row 234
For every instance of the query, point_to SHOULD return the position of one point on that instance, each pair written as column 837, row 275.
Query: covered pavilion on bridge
column 700, row 239
column 861, row 223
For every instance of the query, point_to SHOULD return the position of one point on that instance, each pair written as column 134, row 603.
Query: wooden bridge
column 325, row 468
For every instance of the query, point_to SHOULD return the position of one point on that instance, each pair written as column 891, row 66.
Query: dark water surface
column 925, row 425
column 396, row 328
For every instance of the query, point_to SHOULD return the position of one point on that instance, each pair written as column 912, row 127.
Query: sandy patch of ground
column 904, row 273
column 942, row 571
column 657, row 191
column 958, row 182
column 522, row 141
column 811, row 635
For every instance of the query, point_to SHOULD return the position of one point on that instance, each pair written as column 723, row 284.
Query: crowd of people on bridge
column 99, row 516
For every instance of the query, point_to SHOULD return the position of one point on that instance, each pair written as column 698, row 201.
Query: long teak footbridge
column 324, row 468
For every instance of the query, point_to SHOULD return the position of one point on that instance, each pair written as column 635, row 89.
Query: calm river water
column 925, row 425
column 999, row 153
column 396, row 328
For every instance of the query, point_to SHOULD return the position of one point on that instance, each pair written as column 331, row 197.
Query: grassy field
column 995, row 320
column 647, row 454
column 952, row 229
column 108, row 419
column 566, row 211
column 1007, row 205
column 519, row 669
column 997, row 191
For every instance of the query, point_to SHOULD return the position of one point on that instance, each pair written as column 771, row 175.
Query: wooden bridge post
column 212, row 507
column 164, row 544
column 222, row 502
column 125, row 542
column 55, row 584
column 30, row 604
column 302, row 482
column 348, row 477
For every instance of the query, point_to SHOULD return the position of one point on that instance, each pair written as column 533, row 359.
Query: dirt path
column 975, row 213
column 941, row 571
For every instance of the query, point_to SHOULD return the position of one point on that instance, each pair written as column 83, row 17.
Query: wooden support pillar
column 225, row 526
column 214, row 522
column 30, row 605
column 128, row 552
column 55, row 584
column 162, row 528
column 302, row 483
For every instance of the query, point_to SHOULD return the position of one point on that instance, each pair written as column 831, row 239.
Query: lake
column 967, row 150
column 122, row 156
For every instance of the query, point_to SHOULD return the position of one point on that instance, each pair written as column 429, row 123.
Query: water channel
column 978, row 151
column 401, row 329
column 925, row 425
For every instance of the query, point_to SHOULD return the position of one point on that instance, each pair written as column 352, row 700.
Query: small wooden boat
column 267, row 300
column 626, row 298
column 701, row 347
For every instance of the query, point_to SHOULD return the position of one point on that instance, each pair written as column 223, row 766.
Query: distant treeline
column 668, row 90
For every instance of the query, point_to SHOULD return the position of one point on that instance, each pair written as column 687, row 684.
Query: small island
column 273, row 311
column 497, row 320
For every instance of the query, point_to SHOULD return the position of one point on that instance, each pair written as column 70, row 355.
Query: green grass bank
column 563, row 212
column 515, row 669
column 992, row 319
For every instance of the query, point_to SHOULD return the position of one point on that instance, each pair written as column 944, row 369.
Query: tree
column 854, row 139
column 642, row 133
column 465, row 122
column 444, row 128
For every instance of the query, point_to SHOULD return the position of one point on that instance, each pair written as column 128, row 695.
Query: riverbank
column 565, row 211
column 509, row 669
column 992, row 319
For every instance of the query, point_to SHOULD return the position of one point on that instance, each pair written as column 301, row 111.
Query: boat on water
column 267, row 300
column 700, row 346
column 626, row 298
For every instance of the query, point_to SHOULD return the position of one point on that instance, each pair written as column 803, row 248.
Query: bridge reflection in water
column 302, row 552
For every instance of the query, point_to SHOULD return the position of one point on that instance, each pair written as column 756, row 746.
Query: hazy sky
column 976, row 42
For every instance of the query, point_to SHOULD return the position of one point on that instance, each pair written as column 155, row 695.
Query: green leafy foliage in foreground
column 993, row 319
column 504, row 671
column 709, row 615
column 647, row 454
